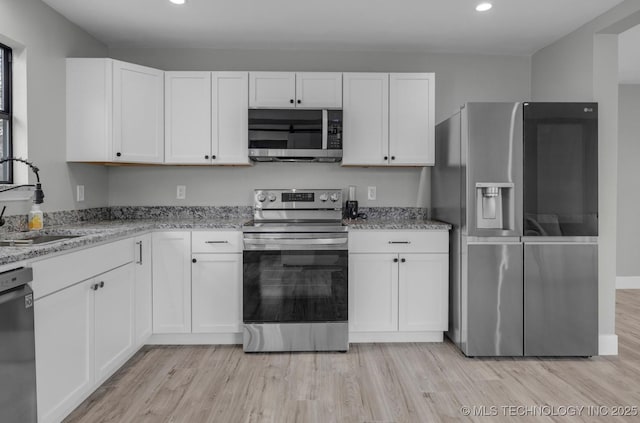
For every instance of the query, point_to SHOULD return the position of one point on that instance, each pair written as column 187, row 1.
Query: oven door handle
column 296, row 243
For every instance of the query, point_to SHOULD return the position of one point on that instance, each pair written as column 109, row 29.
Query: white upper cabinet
column 188, row 117
column 230, row 120
column 411, row 119
column 388, row 119
column 206, row 115
column 287, row 90
column 275, row 90
column 138, row 113
column 366, row 119
column 115, row 112
column 319, row 90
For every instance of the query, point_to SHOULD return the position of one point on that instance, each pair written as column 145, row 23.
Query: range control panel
column 291, row 199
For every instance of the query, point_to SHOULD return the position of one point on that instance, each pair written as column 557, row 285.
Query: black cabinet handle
column 118, row 154
column 395, row 260
column 393, row 157
column 140, row 251
column 291, row 101
column 403, row 260
column 213, row 157
column 386, row 157
column 206, row 157
column 94, row 286
column 193, row 260
column 299, row 101
column 101, row 284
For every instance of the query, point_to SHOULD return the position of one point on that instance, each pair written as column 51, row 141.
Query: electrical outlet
column 371, row 193
column 181, row 192
column 79, row 193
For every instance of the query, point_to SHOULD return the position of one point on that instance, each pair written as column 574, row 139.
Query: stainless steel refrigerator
column 519, row 184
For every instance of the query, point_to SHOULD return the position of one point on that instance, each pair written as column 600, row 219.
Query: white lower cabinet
column 64, row 350
column 171, row 253
column 143, row 294
column 114, row 320
column 373, row 293
column 84, row 333
column 423, row 292
column 398, row 286
column 216, row 287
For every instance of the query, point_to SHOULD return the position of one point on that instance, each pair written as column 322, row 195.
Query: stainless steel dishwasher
column 17, row 348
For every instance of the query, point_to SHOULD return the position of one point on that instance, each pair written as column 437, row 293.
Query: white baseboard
column 628, row 282
column 360, row 337
column 608, row 345
column 195, row 339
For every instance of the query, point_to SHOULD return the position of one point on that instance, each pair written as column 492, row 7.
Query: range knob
column 335, row 197
column 261, row 197
column 272, row 197
column 324, row 197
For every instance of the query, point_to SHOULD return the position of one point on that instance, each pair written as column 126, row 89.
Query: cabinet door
column 188, row 117
column 423, row 291
column 275, row 90
column 217, row 294
column 143, row 292
column 64, row 350
column 411, row 119
column 171, row 254
column 373, row 292
column 138, row 113
column 114, row 320
column 230, row 123
column 366, row 119
column 319, row 90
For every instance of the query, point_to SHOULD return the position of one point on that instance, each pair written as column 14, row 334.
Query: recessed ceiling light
column 178, row 1
column 482, row 7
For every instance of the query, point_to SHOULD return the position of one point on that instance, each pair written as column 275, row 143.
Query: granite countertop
column 398, row 224
column 96, row 232
column 90, row 233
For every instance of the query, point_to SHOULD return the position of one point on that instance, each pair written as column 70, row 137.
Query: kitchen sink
column 35, row 240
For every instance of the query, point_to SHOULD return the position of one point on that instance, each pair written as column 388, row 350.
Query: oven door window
column 285, row 129
column 295, row 286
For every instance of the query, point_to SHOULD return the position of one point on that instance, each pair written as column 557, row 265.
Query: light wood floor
column 371, row 383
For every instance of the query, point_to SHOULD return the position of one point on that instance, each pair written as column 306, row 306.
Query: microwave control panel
column 334, row 129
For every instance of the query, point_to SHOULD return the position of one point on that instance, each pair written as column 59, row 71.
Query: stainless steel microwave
column 295, row 135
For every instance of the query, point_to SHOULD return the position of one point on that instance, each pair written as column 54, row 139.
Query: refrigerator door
column 494, row 299
column 561, row 299
column 492, row 145
column 560, row 169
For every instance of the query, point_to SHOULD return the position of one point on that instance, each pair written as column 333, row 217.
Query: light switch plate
column 181, row 192
column 79, row 193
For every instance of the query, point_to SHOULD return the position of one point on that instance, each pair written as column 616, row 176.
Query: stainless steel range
column 295, row 279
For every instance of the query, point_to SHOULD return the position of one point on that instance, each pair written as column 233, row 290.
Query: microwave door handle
column 325, row 128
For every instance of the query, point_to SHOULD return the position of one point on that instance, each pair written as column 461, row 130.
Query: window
column 6, row 169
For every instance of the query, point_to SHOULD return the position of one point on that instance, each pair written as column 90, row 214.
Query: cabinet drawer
column 394, row 241
column 56, row 273
column 216, row 242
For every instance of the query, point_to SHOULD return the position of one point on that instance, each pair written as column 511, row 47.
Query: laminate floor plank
column 376, row 383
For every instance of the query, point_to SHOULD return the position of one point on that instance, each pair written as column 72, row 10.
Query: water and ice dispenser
column 495, row 205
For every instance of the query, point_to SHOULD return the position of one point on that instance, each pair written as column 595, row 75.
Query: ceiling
column 516, row 27
column 628, row 57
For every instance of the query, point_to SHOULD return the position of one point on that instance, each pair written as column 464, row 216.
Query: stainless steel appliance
column 17, row 348
column 519, row 183
column 295, row 272
column 295, row 135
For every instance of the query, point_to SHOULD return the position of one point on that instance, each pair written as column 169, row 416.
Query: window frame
column 6, row 175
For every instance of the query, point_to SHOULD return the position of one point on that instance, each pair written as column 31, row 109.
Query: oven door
column 295, row 278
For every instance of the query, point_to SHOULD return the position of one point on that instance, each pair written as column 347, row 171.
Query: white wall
column 41, row 39
column 583, row 67
column 459, row 78
column 628, row 244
